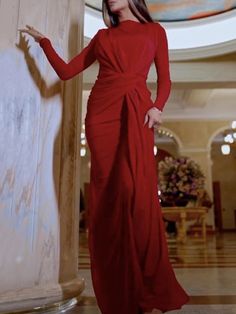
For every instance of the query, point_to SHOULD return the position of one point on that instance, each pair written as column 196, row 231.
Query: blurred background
column 45, row 159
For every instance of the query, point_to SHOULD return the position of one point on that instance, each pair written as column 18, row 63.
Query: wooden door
column 217, row 205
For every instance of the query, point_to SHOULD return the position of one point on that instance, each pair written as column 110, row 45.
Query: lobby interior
column 44, row 187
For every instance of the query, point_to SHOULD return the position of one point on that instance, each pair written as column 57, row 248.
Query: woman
column 131, row 271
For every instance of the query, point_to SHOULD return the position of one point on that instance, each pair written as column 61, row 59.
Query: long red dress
column 131, row 271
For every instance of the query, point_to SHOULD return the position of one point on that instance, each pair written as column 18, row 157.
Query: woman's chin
column 115, row 11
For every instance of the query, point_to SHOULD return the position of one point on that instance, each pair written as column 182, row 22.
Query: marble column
column 40, row 162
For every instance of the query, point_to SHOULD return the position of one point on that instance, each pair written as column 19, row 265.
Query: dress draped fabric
column 131, row 271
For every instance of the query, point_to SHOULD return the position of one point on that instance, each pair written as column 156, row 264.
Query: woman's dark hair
column 137, row 7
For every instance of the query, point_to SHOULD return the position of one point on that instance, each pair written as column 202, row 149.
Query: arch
column 216, row 132
column 175, row 136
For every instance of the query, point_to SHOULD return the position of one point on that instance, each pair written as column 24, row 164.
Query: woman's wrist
column 155, row 108
column 43, row 41
column 40, row 38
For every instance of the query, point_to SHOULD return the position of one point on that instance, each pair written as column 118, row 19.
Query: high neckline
column 132, row 21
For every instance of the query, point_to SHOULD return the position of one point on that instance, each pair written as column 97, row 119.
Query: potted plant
column 180, row 179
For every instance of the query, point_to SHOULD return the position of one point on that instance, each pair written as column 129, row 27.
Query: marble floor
column 207, row 271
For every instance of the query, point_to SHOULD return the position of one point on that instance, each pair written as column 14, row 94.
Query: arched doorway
column 223, row 155
column 166, row 144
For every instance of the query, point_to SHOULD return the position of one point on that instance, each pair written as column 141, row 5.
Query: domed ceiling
column 180, row 10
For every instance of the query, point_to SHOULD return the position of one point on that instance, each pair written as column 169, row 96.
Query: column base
column 44, row 299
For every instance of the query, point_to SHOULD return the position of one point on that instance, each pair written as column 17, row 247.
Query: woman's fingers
column 24, row 30
column 145, row 119
column 150, row 122
column 154, row 123
column 30, row 30
column 153, row 118
column 30, row 27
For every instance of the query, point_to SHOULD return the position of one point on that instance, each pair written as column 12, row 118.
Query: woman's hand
column 153, row 117
column 32, row 32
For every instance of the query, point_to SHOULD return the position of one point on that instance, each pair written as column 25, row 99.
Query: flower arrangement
column 179, row 179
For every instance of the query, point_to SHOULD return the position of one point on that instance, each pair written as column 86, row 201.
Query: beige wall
column 224, row 171
column 195, row 138
column 40, row 121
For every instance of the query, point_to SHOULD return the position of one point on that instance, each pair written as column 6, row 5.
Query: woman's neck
column 126, row 14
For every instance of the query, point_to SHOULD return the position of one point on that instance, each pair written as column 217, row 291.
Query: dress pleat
column 129, row 252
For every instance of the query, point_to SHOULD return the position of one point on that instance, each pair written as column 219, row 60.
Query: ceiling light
column 225, row 149
column 229, row 138
column 234, row 125
column 82, row 152
column 155, row 150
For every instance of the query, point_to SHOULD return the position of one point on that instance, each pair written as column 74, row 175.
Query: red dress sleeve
column 79, row 63
column 161, row 61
